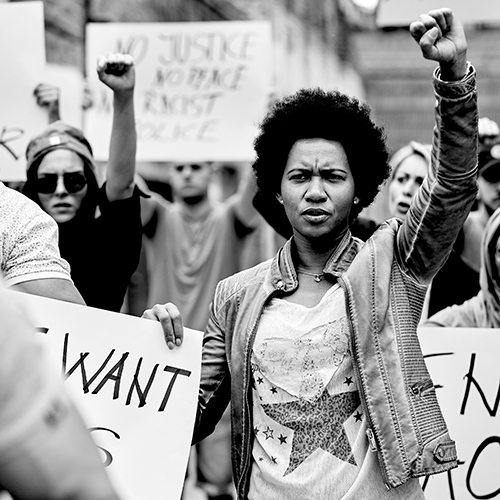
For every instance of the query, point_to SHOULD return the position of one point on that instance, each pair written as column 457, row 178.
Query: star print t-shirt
column 309, row 427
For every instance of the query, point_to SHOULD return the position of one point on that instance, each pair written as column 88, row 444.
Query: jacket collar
column 284, row 277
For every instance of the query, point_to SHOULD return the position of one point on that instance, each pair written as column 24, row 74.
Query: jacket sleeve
column 444, row 200
column 215, row 381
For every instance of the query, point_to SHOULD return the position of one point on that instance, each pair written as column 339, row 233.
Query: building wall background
column 310, row 37
column 398, row 84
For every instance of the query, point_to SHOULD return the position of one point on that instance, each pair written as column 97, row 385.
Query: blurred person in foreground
column 317, row 350
column 99, row 227
column 46, row 452
column 482, row 310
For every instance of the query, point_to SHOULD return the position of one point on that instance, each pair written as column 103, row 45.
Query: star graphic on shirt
column 256, row 430
column 260, row 380
column 282, row 439
column 348, row 381
column 274, row 390
column 273, row 460
column 358, row 416
column 316, row 424
column 269, row 433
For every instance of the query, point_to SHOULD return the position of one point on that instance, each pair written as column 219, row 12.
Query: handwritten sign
column 137, row 397
column 403, row 12
column 22, row 57
column 200, row 88
column 463, row 363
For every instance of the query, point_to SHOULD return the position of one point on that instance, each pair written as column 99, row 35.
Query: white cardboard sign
column 22, row 57
column 137, row 397
column 463, row 363
column 201, row 87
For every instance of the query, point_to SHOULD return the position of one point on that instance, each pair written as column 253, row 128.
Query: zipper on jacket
column 370, row 432
column 246, row 443
column 371, row 439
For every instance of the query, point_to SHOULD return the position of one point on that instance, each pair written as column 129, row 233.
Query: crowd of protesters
column 287, row 345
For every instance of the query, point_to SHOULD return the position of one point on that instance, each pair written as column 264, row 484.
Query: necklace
column 317, row 276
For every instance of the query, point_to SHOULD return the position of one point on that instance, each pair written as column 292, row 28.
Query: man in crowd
column 195, row 242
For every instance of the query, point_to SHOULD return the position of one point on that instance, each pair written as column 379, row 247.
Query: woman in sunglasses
column 99, row 227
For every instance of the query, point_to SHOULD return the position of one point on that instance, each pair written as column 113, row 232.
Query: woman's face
column 404, row 185
column 63, row 201
column 317, row 188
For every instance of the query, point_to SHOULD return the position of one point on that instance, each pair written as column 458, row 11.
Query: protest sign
column 136, row 396
column 22, row 59
column 463, row 363
column 201, row 88
column 403, row 12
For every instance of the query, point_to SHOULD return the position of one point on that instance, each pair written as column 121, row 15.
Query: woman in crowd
column 317, row 349
column 409, row 167
column 99, row 228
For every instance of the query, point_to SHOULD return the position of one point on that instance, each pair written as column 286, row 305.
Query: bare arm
column 245, row 211
column 117, row 72
column 54, row 288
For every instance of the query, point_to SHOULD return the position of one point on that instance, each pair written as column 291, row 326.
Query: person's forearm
column 121, row 163
column 65, row 465
column 245, row 210
column 53, row 288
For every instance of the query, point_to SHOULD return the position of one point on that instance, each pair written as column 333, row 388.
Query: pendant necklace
column 318, row 277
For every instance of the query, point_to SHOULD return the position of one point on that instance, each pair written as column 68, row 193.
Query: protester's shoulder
column 16, row 207
column 243, row 280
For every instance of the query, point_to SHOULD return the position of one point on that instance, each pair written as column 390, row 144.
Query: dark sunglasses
column 193, row 167
column 73, row 182
column 491, row 174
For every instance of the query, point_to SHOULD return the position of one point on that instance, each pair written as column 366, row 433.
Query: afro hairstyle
column 318, row 114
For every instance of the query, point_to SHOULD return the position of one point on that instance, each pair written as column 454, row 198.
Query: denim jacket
column 384, row 282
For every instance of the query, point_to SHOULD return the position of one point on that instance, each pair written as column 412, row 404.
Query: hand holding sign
column 171, row 321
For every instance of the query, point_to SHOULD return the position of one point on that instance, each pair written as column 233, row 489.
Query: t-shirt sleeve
column 118, row 231
column 30, row 247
